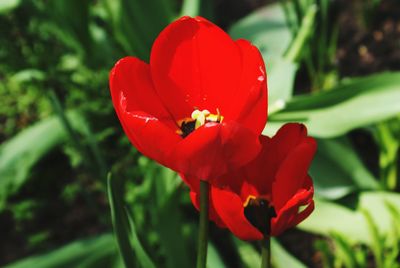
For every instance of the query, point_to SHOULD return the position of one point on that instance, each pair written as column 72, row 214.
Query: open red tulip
column 274, row 185
column 200, row 105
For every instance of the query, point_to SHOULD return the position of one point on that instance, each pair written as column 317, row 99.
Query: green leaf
column 93, row 158
column 140, row 252
column 378, row 242
column 266, row 28
column 190, row 8
column 28, row 75
column 213, row 258
column 204, row 8
column 395, row 217
column 8, row 5
column 330, row 217
column 343, row 250
column 280, row 257
column 333, row 176
column 19, row 154
column 71, row 21
column 135, row 24
column 166, row 211
column 172, row 239
column 281, row 76
column 393, row 240
column 323, row 247
column 355, row 103
column 248, row 254
column 124, row 228
column 283, row 259
column 83, row 253
column 388, row 141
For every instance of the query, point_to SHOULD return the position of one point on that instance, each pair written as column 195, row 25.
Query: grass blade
column 82, row 253
column 124, row 227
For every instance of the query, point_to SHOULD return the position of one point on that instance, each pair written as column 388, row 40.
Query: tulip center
column 197, row 119
column 259, row 212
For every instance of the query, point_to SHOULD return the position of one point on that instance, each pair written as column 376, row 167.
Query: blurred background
column 332, row 64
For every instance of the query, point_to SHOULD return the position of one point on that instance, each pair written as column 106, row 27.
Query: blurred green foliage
column 59, row 137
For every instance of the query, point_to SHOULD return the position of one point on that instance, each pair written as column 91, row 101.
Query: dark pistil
column 187, row 127
column 259, row 213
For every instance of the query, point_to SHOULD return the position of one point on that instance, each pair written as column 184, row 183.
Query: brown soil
column 369, row 45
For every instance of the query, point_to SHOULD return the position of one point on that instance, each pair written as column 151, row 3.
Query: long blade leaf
column 124, row 228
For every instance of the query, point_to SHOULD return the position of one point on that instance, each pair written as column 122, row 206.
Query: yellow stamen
column 205, row 116
column 200, row 117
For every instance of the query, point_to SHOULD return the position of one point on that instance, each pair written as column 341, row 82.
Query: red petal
column 249, row 102
column 194, row 62
column 150, row 136
column 214, row 149
column 261, row 172
column 230, row 208
column 144, row 119
column 289, row 215
column 292, row 172
column 288, row 137
column 132, row 90
column 303, row 214
column 196, row 65
column 192, row 182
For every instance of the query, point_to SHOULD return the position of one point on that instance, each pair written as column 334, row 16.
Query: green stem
column 299, row 11
column 288, row 17
column 203, row 225
column 266, row 253
column 190, row 8
column 300, row 40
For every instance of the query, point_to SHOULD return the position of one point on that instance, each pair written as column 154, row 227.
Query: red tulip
column 201, row 103
column 276, row 182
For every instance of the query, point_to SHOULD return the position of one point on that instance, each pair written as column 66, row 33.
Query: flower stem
column 203, row 225
column 266, row 253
